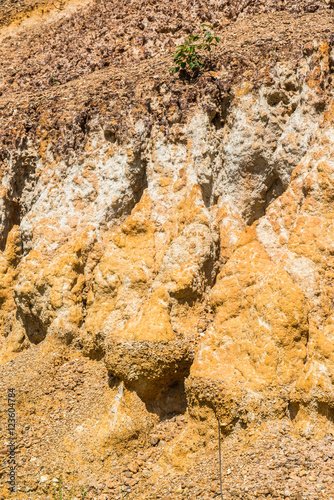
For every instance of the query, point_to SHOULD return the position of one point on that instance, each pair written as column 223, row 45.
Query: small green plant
column 188, row 55
column 53, row 80
column 83, row 493
column 58, row 493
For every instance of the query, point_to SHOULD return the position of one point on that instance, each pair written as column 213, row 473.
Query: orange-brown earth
column 167, row 249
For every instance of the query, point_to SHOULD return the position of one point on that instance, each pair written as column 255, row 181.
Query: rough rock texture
column 167, row 247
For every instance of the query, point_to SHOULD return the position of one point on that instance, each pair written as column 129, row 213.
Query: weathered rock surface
column 166, row 242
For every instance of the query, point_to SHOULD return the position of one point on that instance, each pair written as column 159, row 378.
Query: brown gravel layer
column 16, row 10
column 266, row 462
column 51, row 86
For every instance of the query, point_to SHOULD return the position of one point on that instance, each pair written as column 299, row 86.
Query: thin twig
column 220, row 461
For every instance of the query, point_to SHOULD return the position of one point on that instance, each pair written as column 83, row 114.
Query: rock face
column 166, row 242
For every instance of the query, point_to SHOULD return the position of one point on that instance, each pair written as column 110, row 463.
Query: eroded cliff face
column 166, row 244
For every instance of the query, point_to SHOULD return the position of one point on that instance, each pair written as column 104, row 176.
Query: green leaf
column 72, row 489
column 188, row 54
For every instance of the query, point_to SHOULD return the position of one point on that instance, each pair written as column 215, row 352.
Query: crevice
column 96, row 354
column 243, row 424
column 24, row 172
column 82, row 122
column 207, row 190
column 167, row 404
column 156, row 371
column 272, row 190
column 275, row 190
column 91, row 345
column 12, row 218
column 142, row 182
column 34, row 327
column 221, row 109
column 307, row 338
column 209, row 271
column 293, row 409
column 137, row 176
column 220, row 118
column 212, row 266
column 170, row 402
column 218, row 121
column 326, row 411
column 113, row 381
column 109, row 136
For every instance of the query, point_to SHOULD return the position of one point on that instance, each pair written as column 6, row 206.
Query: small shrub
column 188, row 56
column 53, row 81
column 58, row 493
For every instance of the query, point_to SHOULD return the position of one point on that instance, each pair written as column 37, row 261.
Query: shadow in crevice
column 137, row 175
column 220, row 117
column 35, row 329
column 113, row 381
column 155, row 371
column 271, row 191
column 326, row 411
column 91, row 345
column 218, row 121
column 24, row 167
column 141, row 183
column 275, row 190
column 293, row 409
column 167, row 404
column 96, row 354
column 207, row 190
column 243, row 424
column 170, row 402
column 12, row 218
